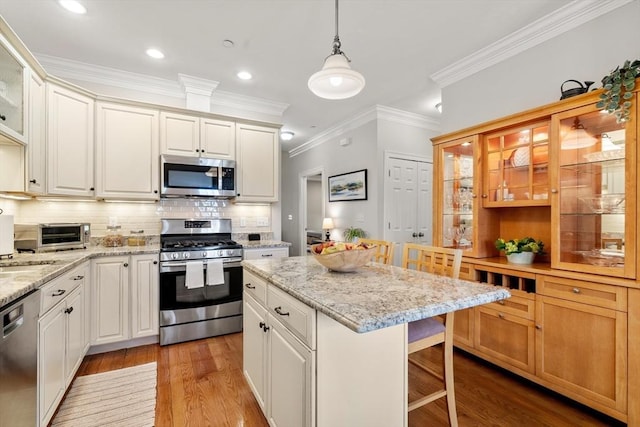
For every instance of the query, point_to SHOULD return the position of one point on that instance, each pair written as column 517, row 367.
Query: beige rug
column 124, row 397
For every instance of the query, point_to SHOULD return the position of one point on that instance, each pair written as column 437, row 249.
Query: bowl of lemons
column 343, row 256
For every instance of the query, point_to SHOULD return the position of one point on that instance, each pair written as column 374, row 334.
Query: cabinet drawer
column 57, row 289
column 607, row 296
column 266, row 253
column 520, row 304
column 299, row 318
column 255, row 286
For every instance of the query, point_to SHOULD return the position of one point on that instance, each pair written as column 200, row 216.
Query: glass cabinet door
column 458, row 195
column 12, row 92
column 516, row 169
column 593, row 212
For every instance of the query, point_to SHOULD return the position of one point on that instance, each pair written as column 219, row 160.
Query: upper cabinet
column 258, row 163
column 594, row 192
column 459, row 221
column 127, row 159
column 69, row 142
column 13, row 93
column 186, row 135
column 516, row 172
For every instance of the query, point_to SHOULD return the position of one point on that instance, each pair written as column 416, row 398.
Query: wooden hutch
column 566, row 174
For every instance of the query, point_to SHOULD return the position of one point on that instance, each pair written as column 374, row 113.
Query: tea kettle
column 567, row 93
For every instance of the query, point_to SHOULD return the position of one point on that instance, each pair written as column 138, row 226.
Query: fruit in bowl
column 342, row 256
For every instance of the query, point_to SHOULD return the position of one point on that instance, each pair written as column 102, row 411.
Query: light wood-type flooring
column 200, row 383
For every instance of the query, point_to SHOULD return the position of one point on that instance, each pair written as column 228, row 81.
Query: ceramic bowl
column 345, row 261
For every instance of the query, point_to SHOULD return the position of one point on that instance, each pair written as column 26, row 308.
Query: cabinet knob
column 69, row 310
column 501, row 302
column 576, row 290
column 262, row 325
column 155, row 191
column 554, row 191
column 126, row 264
column 500, row 315
column 414, row 234
column 92, row 189
column 78, row 278
column 484, row 196
column 155, row 262
column 280, row 312
column 538, row 327
column 474, row 196
column 421, row 234
column 250, row 286
column 33, row 181
column 3, row 117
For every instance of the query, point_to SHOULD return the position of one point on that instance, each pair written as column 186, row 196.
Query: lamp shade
column 327, row 224
column 577, row 137
column 336, row 80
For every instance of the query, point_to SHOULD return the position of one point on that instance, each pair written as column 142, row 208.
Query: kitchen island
column 330, row 349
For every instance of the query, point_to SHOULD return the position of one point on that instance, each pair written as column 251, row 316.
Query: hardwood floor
column 200, row 383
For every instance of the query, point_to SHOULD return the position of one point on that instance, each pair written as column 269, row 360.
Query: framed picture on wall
column 348, row 186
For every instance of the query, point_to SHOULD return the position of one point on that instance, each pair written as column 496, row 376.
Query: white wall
column 533, row 78
column 315, row 204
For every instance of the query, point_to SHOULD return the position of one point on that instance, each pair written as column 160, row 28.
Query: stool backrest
column 432, row 259
column 384, row 250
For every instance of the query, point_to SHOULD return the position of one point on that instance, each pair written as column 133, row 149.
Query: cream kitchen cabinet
column 186, row 135
column 257, row 163
column 36, row 150
column 261, row 253
column 62, row 340
column 127, row 158
column 12, row 171
column 124, row 298
column 70, row 129
column 13, row 93
column 279, row 356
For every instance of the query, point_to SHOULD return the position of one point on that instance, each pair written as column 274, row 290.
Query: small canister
column 113, row 237
column 136, row 238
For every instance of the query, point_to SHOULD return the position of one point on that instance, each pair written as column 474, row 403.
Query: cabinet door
column 51, row 359
column 144, row 295
column 505, row 338
column 14, row 75
column 262, row 253
column 69, row 142
column 290, row 370
column 254, row 344
column 593, row 205
column 12, row 172
column 75, row 318
column 179, row 134
column 217, row 139
column 36, row 149
column 109, row 300
column 127, row 159
column 582, row 349
column 257, row 163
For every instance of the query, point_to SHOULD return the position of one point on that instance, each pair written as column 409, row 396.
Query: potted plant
column 520, row 251
column 618, row 90
column 351, row 233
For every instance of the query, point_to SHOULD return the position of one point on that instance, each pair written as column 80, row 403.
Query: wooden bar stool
column 428, row 332
column 384, row 251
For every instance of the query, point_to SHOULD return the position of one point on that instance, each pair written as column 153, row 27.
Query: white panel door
column 75, row 314
column 258, row 159
column 217, row 139
column 145, row 304
column 179, row 134
column 408, row 202
column 254, row 344
column 109, row 300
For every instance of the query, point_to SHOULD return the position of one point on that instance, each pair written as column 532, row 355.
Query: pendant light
column 577, row 137
column 336, row 80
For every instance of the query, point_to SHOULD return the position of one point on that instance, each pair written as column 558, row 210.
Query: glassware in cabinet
column 594, row 211
column 12, row 92
column 517, row 167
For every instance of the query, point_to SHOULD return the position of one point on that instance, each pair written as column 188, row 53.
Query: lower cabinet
column 278, row 366
column 124, row 298
column 62, row 338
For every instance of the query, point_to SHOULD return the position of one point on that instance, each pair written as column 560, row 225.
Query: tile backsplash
column 140, row 216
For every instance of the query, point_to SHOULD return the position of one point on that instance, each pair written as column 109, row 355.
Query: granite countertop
column 374, row 297
column 14, row 285
column 261, row 244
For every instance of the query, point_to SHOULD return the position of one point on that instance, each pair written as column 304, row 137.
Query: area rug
column 124, row 397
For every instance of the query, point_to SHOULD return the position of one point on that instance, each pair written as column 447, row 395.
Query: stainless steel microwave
column 51, row 237
column 183, row 176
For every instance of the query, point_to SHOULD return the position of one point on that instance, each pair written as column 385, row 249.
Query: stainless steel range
column 200, row 280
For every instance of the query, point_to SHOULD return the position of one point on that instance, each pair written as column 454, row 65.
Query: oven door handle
column 171, row 266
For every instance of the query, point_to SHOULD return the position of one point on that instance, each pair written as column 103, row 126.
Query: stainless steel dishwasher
column 19, row 361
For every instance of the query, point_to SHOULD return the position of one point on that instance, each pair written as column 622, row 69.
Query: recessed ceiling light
column 244, row 75
column 73, row 6
column 155, row 53
column 286, row 135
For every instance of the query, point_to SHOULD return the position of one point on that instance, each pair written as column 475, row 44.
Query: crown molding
column 557, row 22
column 377, row 112
column 81, row 71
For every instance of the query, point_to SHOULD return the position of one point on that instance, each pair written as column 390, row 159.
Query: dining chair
column 431, row 331
column 384, row 250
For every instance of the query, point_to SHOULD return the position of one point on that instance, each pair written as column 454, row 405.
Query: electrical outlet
column 360, row 218
column 243, row 222
column 262, row 221
column 290, row 217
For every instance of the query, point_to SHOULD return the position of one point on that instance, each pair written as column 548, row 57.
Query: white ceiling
column 396, row 44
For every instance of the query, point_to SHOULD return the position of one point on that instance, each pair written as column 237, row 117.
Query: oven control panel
column 200, row 254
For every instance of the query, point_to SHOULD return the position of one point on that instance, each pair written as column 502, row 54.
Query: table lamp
column 327, row 224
